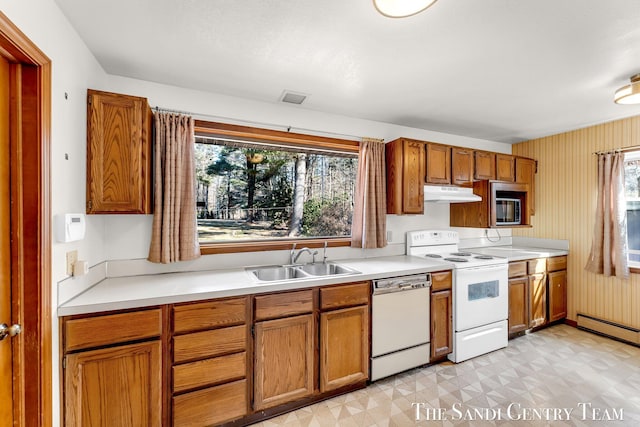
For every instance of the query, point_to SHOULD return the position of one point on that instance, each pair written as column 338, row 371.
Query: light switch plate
column 72, row 257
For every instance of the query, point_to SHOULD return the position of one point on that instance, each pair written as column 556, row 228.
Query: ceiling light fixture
column 401, row 8
column 629, row 94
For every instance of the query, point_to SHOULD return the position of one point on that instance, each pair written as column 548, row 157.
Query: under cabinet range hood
column 447, row 194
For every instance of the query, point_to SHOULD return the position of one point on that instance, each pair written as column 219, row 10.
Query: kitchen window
column 632, row 198
column 261, row 189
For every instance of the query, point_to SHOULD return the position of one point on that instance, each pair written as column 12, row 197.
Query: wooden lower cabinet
column 116, row 386
column 557, row 295
column 344, row 347
column 537, row 299
column 284, row 362
column 518, row 304
column 210, row 406
column 441, row 324
column 441, row 314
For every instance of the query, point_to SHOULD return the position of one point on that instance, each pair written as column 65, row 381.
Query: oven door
column 481, row 296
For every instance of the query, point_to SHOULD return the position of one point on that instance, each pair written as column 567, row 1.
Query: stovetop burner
column 483, row 257
column 453, row 259
column 461, row 254
column 433, row 255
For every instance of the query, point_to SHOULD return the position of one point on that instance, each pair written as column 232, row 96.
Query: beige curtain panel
column 175, row 230
column 369, row 225
column 609, row 247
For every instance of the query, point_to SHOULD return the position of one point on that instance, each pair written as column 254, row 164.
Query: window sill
column 257, row 246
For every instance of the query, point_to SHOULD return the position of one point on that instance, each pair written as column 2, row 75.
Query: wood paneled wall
column 565, row 209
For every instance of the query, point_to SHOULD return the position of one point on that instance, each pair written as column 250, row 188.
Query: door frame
column 31, row 224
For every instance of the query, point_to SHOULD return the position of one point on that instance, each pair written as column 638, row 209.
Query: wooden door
column 413, row 178
column 6, row 358
column 441, row 324
column 438, row 164
column 284, row 362
column 518, row 304
column 117, row 386
column 484, row 165
column 557, row 295
column 537, row 299
column 461, row 166
column 505, row 168
column 29, row 127
column 344, row 347
column 526, row 174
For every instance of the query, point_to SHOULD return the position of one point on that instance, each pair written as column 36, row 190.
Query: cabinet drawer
column 211, row 406
column 535, row 266
column 440, row 281
column 209, row 371
column 345, row 295
column 209, row 315
column 112, row 329
column 517, row 269
column 200, row 345
column 283, row 304
column 557, row 263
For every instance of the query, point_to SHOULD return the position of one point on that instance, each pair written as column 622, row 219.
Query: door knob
column 12, row 330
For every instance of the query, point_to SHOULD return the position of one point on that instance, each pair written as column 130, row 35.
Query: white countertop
column 518, row 253
column 147, row 290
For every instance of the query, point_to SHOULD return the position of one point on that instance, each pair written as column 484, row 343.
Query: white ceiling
column 503, row 70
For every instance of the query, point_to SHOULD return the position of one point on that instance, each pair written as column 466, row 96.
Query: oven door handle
column 486, row 268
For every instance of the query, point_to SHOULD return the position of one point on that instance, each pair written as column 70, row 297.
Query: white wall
column 129, row 236
column 74, row 69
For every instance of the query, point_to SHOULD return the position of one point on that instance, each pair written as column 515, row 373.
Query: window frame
column 276, row 137
column 630, row 156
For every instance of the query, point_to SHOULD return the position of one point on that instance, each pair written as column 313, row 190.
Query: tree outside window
column 250, row 191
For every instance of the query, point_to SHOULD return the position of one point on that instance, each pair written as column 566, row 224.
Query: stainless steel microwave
column 508, row 211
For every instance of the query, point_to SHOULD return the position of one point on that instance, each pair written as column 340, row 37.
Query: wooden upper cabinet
column 526, row 174
column 438, row 164
column 405, row 176
column 484, row 165
column 505, row 168
column 461, row 166
column 118, row 154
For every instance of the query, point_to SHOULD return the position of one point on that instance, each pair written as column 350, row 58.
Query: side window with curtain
column 632, row 198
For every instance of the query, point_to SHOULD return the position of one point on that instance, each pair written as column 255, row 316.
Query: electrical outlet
column 72, row 257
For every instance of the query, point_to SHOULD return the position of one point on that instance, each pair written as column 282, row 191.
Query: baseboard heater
column 610, row 329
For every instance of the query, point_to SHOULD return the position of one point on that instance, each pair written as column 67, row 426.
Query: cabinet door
column 438, row 164
column 284, row 362
column 118, row 154
column 557, row 295
column 413, row 178
column 505, row 168
column 484, row 165
column 344, row 347
column 526, row 174
column 518, row 304
column 461, row 166
column 441, row 324
column 118, row 386
column 537, row 299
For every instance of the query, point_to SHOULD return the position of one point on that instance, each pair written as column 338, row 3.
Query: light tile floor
column 560, row 368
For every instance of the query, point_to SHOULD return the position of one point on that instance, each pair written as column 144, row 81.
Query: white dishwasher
column 400, row 324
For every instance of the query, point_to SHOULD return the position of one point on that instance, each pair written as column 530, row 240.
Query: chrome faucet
column 324, row 253
column 294, row 256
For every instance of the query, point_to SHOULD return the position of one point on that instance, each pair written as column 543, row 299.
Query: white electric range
column 480, row 292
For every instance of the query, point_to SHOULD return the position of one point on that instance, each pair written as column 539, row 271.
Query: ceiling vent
column 293, row 97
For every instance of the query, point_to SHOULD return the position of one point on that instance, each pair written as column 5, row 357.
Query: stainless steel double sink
column 272, row 273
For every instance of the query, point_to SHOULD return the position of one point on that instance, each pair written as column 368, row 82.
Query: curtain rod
column 262, row 124
column 619, row 150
